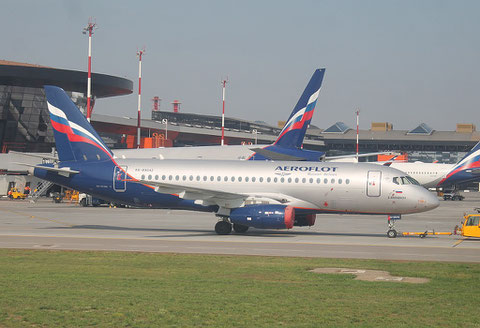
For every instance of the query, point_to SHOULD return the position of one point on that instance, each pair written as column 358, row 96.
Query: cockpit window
column 412, row 180
column 405, row 180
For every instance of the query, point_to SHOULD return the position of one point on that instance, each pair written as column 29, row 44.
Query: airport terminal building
column 24, row 118
column 25, row 124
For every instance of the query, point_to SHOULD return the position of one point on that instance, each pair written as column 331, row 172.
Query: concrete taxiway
column 46, row 225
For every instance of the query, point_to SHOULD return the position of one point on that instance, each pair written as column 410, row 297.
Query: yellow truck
column 470, row 226
column 15, row 194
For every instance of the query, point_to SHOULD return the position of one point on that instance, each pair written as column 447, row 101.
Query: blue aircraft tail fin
column 468, row 167
column 75, row 138
column 296, row 126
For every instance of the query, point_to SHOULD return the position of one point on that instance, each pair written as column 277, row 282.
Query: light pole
column 255, row 132
column 165, row 121
column 91, row 25
column 139, row 54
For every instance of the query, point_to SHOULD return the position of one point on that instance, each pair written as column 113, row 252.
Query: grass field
column 115, row 289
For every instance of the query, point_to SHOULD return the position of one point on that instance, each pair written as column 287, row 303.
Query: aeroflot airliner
column 259, row 194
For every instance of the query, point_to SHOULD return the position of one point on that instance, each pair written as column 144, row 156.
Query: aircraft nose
column 428, row 200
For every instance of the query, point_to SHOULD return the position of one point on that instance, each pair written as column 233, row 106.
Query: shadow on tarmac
column 202, row 232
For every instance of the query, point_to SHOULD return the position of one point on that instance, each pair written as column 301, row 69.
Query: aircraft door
column 119, row 178
column 373, row 183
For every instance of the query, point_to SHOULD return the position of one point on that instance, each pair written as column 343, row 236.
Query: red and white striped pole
column 139, row 54
column 89, row 29
column 357, row 135
column 224, row 82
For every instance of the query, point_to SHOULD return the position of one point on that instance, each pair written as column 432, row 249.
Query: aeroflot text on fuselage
column 307, row 168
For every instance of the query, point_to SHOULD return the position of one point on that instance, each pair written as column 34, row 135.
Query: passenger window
column 198, row 178
column 163, row 177
column 143, row 176
column 177, row 177
column 239, row 179
column 212, row 178
column 339, row 181
column 347, row 181
column 149, row 177
column 296, row 180
column 269, row 179
column 219, row 178
column 225, row 178
column 184, row 177
column 261, row 179
column 156, row 177
column 275, row 180
column 170, row 177
column 232, row 179
column 205, row 178
column 282, row 180
column 332, row 181
column 319, row 181
column 246, row 179
column 289, row 180
column 304, row 180
column 191, row 178
column 325, row 181
column 311, row 180
column 253, row 179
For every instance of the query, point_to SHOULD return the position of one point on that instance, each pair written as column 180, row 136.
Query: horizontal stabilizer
column 65, row 171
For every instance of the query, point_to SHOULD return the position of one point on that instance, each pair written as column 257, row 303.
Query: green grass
column 115, row 289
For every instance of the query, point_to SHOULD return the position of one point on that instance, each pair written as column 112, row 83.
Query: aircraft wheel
column 223, row 227
column 392, row 233
column 240, row 228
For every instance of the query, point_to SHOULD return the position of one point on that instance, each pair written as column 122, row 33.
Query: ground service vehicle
column 15, row 194
column 471, row 226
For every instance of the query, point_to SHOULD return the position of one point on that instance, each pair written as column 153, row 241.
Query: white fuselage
column 427, row 174
column 322, row 187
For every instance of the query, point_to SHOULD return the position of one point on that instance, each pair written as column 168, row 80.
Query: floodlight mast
column 139, row 54
column 224, row 82
column 358, row 112
column 90, row 27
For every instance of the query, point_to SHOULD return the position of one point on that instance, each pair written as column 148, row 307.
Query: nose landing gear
column 392, row 233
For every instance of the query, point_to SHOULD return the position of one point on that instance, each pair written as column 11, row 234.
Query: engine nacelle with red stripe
column 264, row 216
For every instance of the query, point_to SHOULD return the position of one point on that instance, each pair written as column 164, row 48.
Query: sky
column 403, row 62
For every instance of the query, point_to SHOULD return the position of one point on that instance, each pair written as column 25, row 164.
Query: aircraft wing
column 53, row 158
column 274, row 156
column 206, row 196
column 333, row 158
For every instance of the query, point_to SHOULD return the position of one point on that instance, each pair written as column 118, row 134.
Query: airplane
column 436, row 175
column 244, row 194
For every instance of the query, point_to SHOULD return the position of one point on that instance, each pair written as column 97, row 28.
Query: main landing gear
column 392, row 233
column 224, row 227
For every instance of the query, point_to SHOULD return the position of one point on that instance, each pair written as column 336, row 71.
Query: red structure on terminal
column 176, row 106
column 156, row 103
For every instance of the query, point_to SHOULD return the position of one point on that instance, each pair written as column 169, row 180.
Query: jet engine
column 264, row 216
column 302, row 220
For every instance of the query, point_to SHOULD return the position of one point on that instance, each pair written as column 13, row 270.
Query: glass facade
column 24, row 118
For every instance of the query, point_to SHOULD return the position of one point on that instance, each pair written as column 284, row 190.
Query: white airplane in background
column 436, row 175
